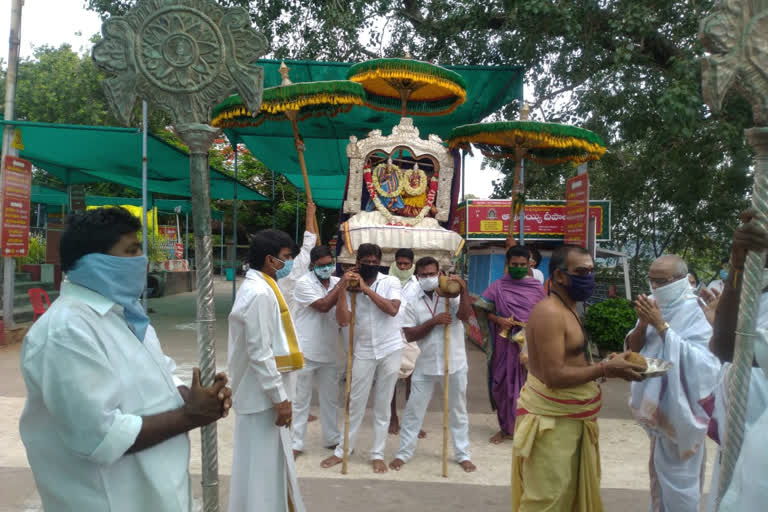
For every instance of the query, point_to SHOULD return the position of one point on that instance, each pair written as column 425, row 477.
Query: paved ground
column 624, row 446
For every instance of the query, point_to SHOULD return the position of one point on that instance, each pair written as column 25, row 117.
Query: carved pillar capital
column 198, row 137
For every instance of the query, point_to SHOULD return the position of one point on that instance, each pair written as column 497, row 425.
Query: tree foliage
column 628, row 70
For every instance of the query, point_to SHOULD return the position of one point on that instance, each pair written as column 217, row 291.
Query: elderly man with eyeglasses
column 673, row 409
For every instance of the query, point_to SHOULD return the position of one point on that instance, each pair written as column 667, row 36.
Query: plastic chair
column 36, row 296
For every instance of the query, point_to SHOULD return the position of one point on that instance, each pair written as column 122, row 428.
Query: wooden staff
column 348, row 391
column 446, row 384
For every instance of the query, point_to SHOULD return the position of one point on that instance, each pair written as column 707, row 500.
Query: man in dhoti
column 556, row 462
column 502, row 311
column 426, row 321
column 262, row 344
column 673, row 408
column 315, row 296
column 377, row 349
column 746, row 492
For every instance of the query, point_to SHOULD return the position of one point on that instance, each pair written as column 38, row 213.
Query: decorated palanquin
column 399, row 192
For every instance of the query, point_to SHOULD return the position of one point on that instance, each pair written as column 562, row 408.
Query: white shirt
column 89, row 381
column 318, row 332
column 253, row 323
column 411, row 287
column 376, row 333
column 538, row 275
column 431, row 361
column 299, row 270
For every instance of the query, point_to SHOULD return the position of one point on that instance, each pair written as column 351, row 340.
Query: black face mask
column 368, row 272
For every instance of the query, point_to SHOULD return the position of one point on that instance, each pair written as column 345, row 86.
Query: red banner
column 178, row 251
column 543, row 219
column 17, row 188
column 168, row 232
column 576, row 210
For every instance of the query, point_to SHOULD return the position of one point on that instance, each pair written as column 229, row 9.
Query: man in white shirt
column 377, row 350
column 263, row 347
column 105, row 424
column 534, row 261
column 288, row 282
column 426, row 321
column 402, row 268
column 315, row 296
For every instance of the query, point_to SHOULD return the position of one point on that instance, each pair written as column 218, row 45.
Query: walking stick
column 348, row 391
column 446, row 384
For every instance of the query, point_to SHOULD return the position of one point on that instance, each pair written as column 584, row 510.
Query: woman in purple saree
column 514, row 295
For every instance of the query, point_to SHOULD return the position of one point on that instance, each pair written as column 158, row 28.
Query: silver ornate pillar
column 736, row 35
column 185, row 56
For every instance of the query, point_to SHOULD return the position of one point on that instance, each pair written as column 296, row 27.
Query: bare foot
column 296, row 454
column 499, row 437
column 396, row 464
column 330, row 462
column 467, row 466
column 379, row 466
column 311, row 418
column 394, row 425
column 422, row 434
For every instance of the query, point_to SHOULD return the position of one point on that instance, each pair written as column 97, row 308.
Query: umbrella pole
column 199, row 137
column 348, row 386
column 446, row 386
column 291, row 115
column 516, row 190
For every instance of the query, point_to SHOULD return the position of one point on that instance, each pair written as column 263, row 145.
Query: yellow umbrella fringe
column 402, row 74
column 529, row 140
column 278, row 107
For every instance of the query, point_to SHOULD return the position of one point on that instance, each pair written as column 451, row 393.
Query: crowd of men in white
column 105, row 421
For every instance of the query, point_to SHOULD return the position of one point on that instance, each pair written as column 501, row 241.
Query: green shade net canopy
column 92, row 154
column 325, row 138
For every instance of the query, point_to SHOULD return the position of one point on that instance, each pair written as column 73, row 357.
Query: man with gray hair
column 673, row 408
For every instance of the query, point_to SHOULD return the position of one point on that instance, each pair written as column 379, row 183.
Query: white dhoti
column 324, row 374
column 421, row 393
column 676, row 484
column 386, row 372
column 263, row 473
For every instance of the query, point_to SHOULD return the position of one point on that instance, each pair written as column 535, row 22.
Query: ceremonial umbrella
column 544, row 143
column 409, row 87
column 294, row 103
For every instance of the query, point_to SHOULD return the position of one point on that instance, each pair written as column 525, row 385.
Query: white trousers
column 676, row 485
column 386, row 372
column 327, row 394
column 263, row 474
column 413, row 417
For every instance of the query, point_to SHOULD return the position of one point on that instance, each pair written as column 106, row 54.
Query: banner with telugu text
column 17, row 190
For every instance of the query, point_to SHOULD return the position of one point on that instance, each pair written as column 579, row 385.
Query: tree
column 627, row 70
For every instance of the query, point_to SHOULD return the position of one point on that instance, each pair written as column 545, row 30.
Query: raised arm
column 390, row 305
column 343, row 315
column 327, row 303
column 747, row 237
column 465, row 301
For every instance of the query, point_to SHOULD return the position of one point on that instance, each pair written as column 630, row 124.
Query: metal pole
column 14, row 42
column 274, row 210
column 466, row 210
column 627, row 284
column 186, row 236
column 223, row 270
column 522, row 208
column 198, row 138
column 234, row 232
column 144, row 245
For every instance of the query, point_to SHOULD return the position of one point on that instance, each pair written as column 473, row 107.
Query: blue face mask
column 723, row 274
column 121, row 280
column 283, row 272
column 324, row 272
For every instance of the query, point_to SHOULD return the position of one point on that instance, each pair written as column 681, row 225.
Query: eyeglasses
column 579, row 271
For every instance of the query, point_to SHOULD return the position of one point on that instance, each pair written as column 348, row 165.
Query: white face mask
column 670, row 293
column 429, row 284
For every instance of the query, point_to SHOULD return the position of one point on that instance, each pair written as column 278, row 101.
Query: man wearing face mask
column 672, row 327
column 556, row 452
column 402, row 268
column 514, row 295
column 377, row 349
column 105, row 424
column 315, row 296
column 426, row 321
column 263, row 348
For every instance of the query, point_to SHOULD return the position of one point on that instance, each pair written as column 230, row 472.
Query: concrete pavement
column 624, row 446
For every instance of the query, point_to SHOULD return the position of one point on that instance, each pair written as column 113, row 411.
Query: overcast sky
column 55, row 22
